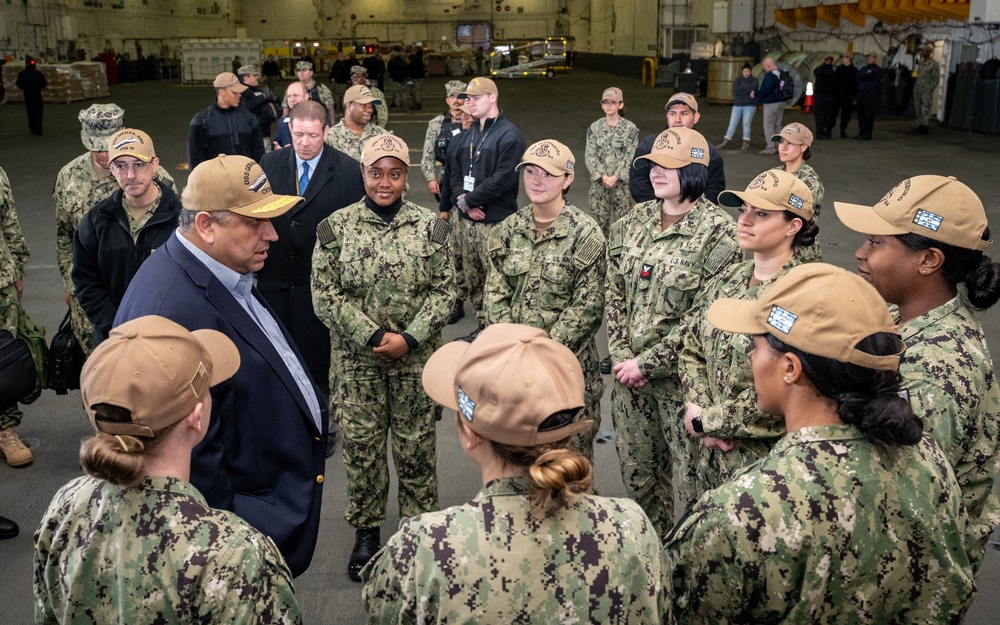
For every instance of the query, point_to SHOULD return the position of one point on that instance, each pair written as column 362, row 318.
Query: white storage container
column 204, row 59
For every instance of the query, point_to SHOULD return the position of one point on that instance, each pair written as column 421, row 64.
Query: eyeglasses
column 122, row 167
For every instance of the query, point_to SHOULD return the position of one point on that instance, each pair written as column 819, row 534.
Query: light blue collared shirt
column 312, row 169
column 240, row 285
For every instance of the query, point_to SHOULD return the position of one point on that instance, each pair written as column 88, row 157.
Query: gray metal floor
column 561, row 108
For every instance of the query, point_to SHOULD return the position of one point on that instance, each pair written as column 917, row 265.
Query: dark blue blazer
column 263, row 457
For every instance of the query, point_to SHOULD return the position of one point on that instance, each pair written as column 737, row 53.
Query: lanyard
column 479, row 151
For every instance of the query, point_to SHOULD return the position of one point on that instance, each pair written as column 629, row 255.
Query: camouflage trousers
column 417, row 91
column 83, row 330
column 338, row 91
column 646, row 438
column 395, row 93
column 374, row 406
column 10, row 312
column 609, row 205
column 923, row 102
column 457, row 248
column 475, row 263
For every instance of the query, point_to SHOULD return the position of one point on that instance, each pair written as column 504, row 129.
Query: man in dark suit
column 264, row 454
column 328, row 180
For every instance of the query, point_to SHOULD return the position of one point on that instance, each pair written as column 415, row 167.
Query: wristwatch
column 696, row 423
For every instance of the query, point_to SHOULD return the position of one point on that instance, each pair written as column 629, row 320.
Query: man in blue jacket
column 264, row 454
column 769, row 96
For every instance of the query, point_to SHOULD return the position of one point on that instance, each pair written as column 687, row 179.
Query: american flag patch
column 781, row 319
column 697, row 153
column 927, row 219
column 795, row 201
column 465, row 405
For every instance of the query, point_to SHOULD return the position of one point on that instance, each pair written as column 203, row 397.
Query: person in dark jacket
column 340, row 77
column 259, row 100
column 825, row 90
column 272, row 71
column 769, row 95
column 31, row 82
column 121, row 231
column 224, row 127
column 868, row 78
column 376, row 69
column 399, row 74
column 682, row 112
column 847, row 90
column 483, row 184
column 744, row 107
column 417, row 73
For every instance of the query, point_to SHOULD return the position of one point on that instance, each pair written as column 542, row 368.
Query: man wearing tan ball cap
column 224, row 127
column 264, row 455
column 121, row 231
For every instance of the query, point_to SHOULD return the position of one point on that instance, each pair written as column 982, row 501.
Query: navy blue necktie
column 304, row 178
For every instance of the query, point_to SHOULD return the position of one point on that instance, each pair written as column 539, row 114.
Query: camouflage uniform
column 497, row 559
column 928, row 76
column 653, row 278
column 13, row 259
column 828, row 528
column 343, row 139
column 77, row 189
column 369, row 275
column 715, row 370
column 609, row 152
column 155, row 553
column 428, row 160
column 554, row 281
column 808, row 175
column 948, row 374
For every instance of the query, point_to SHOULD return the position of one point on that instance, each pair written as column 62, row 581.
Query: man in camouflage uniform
column 383, row 283
column 928, row 76
column 13, row 259
column 317, row 92
column 440, row 131
column 504, row 557
column 81, row 183
column 153, row 552
column 553, row 279
column 611, row 144
column 359, row 76
column 355, row 128
column 655, row 270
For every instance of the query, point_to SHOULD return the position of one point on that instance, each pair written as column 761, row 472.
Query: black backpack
column 65, row 359
column 786, row 86
column 18, row 376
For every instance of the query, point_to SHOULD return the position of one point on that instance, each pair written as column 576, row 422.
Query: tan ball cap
column 682, row 98
column 228, row 80
column 360, row 94
column 773, row 190
column 937, row 207
column 384, row 145
column 614, row 94
column 236, row 184
column 550, row 155
column 676, row 147
column 131, row 142
column 157, row 370
column 817, row 308
column 507, row 382
column 479, row 86
column 796, row 134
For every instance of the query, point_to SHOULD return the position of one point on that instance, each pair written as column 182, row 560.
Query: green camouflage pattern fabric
column 554, row 280
column 369, row 275
column 828, row 528
column 654, row 276
column 609, row 152
column 77, row 189
column 715, row 370
column 474, row 238
column 13, row 261
column 427, row 161
column 808, row 175
column 155, row 553
column 497, row 559
column 397, row 92
column 928, row 76
column 341, row 138
column 381, row 116
column 949, row 378
column 325, row 98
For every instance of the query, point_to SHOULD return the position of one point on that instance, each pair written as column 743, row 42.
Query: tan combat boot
column 746, row 145
column 722, row 146
column 11, row 446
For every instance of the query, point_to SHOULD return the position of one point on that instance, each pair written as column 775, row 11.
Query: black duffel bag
column 18, row 376
column 65, row 359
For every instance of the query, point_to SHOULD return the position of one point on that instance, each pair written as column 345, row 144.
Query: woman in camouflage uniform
column 925, row 238
column 855, row 515
column 659, row 256
column 533, row 546
column 775, row 219
column 794, row 150
column 133, row 541
column 547, row 269
column 611, row 144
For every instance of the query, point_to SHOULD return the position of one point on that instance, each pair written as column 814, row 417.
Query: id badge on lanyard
column 469, row 183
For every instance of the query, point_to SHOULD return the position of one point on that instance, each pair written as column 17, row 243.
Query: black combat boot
column 366, row 543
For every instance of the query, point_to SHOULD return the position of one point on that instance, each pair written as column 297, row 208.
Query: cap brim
column 751, row 198
column 271, row 206
column 225, row 355
column 141, row 157
column 778, row 137
column 240, row 88
column 439, row 373
column 663, row 160
column 555, row 171
column 735, row 315
column 864, row 219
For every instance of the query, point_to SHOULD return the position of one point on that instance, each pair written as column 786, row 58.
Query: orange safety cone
column 807, row 102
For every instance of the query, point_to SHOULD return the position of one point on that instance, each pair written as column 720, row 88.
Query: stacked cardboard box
column 66, row 83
